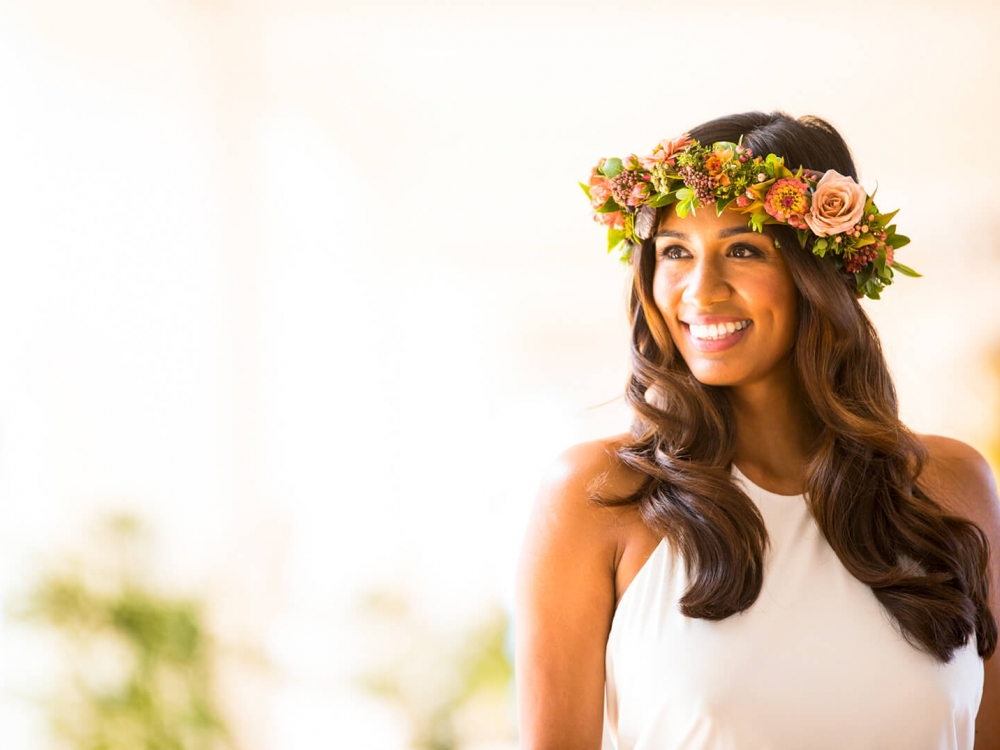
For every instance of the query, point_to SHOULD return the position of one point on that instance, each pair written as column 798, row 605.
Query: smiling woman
column 770, row 558
column 723, row 273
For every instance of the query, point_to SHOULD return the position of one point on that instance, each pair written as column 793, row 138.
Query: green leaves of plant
column 615, row 237
column 898, row 240
column 905, row 270
column 662, row 199
column 721, row 206
column 612, row 168
column 884, row 219
column 687, row 201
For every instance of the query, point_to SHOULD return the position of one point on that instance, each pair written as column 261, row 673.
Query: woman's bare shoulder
column 959, row 476
column 589, row 465
column 565, row 497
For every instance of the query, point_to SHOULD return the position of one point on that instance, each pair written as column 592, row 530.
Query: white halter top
column 815, row 663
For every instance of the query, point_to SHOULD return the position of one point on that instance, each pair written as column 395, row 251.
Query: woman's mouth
column 716, row 337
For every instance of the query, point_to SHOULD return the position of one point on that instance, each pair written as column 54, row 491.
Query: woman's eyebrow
column 733, row 231
column 728, row 232
column 671, row 233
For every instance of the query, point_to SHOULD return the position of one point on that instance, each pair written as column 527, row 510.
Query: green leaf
column 757, row 222
column 884, row 219
column 865, row 239
column 615, row 238
column 586, row 188
column 625, row 254
column 613, row 168
column 863, row 276
column 721, row 206
column 880, row 262
column 609, row 207
column 905, row 270
column 684, row 193
column 662, row 199
column 898, row 240
column 803, row 235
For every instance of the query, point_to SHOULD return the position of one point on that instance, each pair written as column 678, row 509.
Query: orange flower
column 600, row 190
column 614, row 219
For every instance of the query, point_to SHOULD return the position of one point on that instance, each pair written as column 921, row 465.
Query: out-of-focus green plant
column 139, row 662
column 455, row 690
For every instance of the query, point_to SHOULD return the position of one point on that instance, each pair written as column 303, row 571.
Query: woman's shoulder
column 594, row 465
column 960, row 477
column 574, row 476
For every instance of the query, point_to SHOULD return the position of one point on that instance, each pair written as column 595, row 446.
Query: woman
column 770, row 558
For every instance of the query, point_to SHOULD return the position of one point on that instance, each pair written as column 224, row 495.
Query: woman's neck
column 775, row 431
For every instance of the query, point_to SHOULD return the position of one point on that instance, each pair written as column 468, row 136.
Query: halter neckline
column 761, row 490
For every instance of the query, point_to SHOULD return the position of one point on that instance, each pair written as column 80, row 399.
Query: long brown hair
column 926, row 567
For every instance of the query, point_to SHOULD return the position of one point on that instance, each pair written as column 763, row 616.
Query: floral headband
column 846, row 225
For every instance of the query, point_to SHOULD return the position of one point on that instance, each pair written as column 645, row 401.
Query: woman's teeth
column 720, row 331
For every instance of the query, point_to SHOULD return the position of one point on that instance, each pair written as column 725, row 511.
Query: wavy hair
column 926, row 567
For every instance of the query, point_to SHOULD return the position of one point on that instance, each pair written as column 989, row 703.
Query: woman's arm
column 963, row 481
column 565, row 603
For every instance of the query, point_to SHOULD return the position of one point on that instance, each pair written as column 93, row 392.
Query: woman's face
column 726, row 295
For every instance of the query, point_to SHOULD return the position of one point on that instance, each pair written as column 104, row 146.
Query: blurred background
column 300, row 298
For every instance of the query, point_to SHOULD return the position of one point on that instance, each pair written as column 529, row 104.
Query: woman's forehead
column 704, row 220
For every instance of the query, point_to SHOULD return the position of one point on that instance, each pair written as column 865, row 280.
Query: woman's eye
column 744, row 251
column 673, row 252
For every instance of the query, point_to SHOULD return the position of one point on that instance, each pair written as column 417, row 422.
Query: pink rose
column 837, row 204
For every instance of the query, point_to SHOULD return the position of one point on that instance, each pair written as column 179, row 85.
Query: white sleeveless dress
column 815, row 664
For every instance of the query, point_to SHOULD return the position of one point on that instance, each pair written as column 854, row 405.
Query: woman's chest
column 815, row 656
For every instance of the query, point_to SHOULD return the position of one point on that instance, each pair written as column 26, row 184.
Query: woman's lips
column 715, row 345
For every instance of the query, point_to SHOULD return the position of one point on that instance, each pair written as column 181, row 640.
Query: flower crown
column 846, row 225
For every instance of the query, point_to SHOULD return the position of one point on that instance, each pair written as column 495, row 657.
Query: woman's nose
column 706, row 286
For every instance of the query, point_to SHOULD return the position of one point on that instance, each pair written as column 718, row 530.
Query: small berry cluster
column 862, row 256
column 622, row 186
column 703, row 184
